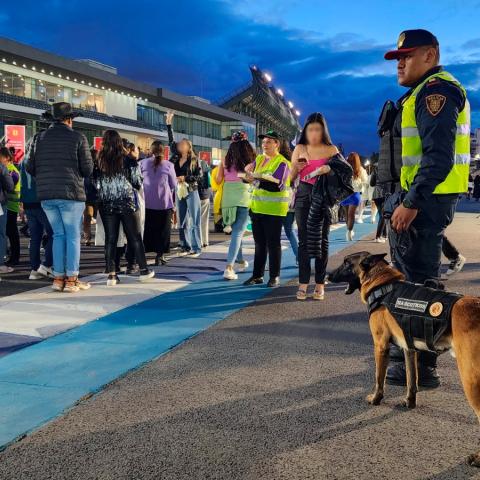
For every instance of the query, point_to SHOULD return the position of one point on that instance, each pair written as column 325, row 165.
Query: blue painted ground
column 39, row 382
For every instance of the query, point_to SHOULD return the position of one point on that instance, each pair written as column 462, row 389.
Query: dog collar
column 375, row 297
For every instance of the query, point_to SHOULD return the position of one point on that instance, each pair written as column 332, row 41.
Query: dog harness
column 423, row 312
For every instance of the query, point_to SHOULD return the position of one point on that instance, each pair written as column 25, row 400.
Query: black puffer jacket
column 328, row 190
column 59, row 162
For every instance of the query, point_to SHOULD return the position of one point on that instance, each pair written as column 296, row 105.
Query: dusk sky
column 326, row 56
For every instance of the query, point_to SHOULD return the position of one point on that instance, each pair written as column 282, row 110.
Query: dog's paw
column 474, row 459
column 374, row 398
column 409, row 403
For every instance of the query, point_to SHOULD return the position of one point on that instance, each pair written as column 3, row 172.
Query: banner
column 15, row 137
column 205, row 156
column 97, row 143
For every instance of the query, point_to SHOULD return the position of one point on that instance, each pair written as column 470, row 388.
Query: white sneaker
column 360, row 220
column 242, row 266
column 35, row 275
column 45, row 271
column 227, row 229
column 456, row 265
column 146, row 275
column 380, row 240
column 350, row 235
column 112, row 280
column 194, row 254
column 6, row 269
column 229, row 274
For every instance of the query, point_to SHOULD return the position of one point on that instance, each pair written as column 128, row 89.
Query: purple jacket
column 159, row 184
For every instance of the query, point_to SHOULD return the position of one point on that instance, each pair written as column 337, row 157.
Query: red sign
column 15, row 137
column 205, row 156
column 97, row 143
column 166, row 152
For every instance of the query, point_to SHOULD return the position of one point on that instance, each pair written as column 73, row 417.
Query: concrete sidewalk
column 275, row 391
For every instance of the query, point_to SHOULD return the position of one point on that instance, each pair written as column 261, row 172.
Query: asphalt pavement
column 274, row 391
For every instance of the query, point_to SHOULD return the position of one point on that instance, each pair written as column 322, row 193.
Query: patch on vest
column 435, row 103
column 435, row 309
column 412, row 305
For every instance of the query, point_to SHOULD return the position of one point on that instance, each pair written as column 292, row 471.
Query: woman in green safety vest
column 269, row 175
column 13, row 208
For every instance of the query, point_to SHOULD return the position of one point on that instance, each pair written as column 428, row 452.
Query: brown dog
column 368, row 272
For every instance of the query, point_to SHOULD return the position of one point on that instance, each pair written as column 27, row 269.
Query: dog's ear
column 369, row 262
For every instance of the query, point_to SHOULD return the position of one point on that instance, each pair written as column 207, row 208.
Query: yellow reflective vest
column 457, row 179
column 270, row 203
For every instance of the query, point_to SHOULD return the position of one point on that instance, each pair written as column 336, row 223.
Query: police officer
column 431, row 129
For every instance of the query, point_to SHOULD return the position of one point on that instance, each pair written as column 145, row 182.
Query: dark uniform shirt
column 438, row 136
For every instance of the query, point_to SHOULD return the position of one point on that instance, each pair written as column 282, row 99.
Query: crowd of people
column 134, row 197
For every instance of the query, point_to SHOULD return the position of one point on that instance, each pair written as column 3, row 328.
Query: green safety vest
column 13, row 198
column 270, row 203
column 457, row 179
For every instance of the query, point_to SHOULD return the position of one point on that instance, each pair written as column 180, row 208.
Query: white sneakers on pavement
column 349, row 236
column 229, row 274
column 456, row 265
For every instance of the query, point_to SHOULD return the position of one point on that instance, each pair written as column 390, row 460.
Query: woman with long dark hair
column 117, row 179
column 310, row 159
column 351, row 203
column 189, row 176
column 159, row 183
column 235, row 199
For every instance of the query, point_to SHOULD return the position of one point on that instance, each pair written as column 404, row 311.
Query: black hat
column 60, row 111
column 409, row 40
column 270, row 134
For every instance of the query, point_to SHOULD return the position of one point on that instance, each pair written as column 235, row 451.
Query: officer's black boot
column 427, row 369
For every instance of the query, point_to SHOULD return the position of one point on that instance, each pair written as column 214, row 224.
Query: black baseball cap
column 410, row 40
column 270, row 134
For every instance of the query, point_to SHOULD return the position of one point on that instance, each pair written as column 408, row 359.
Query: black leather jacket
column 328, row 190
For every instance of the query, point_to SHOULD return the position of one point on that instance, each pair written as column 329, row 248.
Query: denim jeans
column 3, row 235
column 65, row 217
column 238, row 228
column 189, row 220
column 290, row 232
column 38, row 224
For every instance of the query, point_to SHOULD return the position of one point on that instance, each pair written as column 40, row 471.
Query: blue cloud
column 204, row 48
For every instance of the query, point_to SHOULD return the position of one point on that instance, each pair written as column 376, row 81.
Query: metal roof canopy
column 22, row 53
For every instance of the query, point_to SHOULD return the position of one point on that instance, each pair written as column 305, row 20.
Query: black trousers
column 267, row 231
column 158, row 229
column 13, row 236
column 304, row 260
column 449, row 249
column 422, row 260
column 132, row 229
column 381, row 226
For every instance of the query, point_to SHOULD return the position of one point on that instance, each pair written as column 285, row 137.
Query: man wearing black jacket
column 430, row 131
column 60, row 161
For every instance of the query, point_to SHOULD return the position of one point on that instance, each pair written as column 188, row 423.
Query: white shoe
column 6, row 269
column 194, row 254
column 227, row 229
column 146, row 275
column 45, row 271
column 350, row 235
column 456, row 265
column 373, row 218
column 360, row 220
column 380, row 240
column 35, row 275
column 242, row 266
column 229, row 274
column 112, row 280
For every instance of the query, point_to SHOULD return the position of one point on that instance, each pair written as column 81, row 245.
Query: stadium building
column 260, row 100
column 31, row 79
